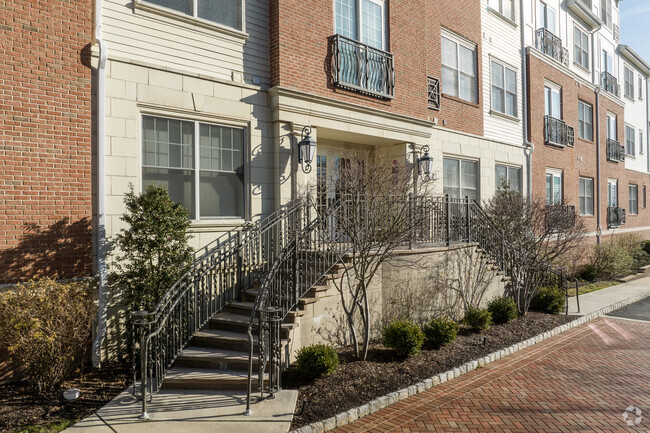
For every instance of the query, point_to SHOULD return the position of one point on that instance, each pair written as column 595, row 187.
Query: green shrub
column 440, row 331
column 317, row 360
column 405, row 337
column 477, row 318
column 589, row 272
column 503, row 309
column 549, row 300
column 610, row 260
column 47, row 326
column 646, row 247
column 632, row 244
column 152, row 252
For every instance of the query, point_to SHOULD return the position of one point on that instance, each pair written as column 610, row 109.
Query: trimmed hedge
column 316, row 361
column 503, row 309
column 405, row 337
column 549, row 300
column 478, row 319
column 440, row 331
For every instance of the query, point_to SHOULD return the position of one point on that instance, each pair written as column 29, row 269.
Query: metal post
column 240, row 261
column 467, row 217
column 448, row 216
column 140, row 315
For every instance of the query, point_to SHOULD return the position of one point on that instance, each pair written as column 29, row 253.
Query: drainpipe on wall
column 598, row 193
column 524, row 94
column 101, row 188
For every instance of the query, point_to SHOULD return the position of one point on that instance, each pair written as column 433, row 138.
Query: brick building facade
column 45, row 139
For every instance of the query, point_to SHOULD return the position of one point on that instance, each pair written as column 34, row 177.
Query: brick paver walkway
column 579, row 381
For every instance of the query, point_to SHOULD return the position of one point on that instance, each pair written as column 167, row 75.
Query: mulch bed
column 356, row 383
column 20, row 407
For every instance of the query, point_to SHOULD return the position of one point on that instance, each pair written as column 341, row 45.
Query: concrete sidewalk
column 192, row 412
column 594, row 301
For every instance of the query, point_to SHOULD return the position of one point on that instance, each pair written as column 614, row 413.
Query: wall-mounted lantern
column 306, row 149
column 425, row 164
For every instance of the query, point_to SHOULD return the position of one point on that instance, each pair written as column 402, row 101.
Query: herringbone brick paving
column 579, row 381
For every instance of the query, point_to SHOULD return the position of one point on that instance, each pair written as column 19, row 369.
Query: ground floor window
column 460, row 178
column 612, row 192
column 633, row 194
column 553, row 186
column 172, row 149
column 508, row 176
column 586, row 196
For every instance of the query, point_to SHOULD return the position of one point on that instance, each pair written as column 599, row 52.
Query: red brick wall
column 299, row 52
column 45, row 139
column 579, row 161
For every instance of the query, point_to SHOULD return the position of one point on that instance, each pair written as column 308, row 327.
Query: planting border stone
column 381, row 402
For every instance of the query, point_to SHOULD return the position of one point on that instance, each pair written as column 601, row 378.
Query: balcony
column 361, row 68
column 609, row 83
column 560, row 217
column 615, row 151
column 551, row 45
column 557, row 133
column 615, row 217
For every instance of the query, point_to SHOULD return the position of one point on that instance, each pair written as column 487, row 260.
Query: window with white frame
column 459, row 68
column 633, row 199
column 172, row 149
column 362, row 20
column 606, row 12
column 586, row 196
column 553, row 186
column 580, row 48
column 546, row 17
column 640, row 142
column 508, row 176
column 504, row 7
column 612, row 192
column 640, row 88
column 552, row 101
column 630, row 145
column 629, row 82
column 460, row 178
column 225, row 12
column 612, row 132
column 504, row 89
column 608, row 62
column 585, row 121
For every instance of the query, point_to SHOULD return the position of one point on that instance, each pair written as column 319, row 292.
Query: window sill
column 582, row 68
column 586, row 216
column 462, row 101
column 504, row 116
column 159, row 10
column 502, row 17
column 216, row 223
column 630, row 156
column 629, row 98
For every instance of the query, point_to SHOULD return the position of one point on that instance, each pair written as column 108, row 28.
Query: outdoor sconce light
column 425, row 164
column 306, row 149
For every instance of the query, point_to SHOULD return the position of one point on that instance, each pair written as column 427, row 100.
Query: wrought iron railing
column 557, row 132
column 615, row 151
column 560, row 217
column 362, row 68
column 551, row 45
column 433, row 93
column 216, row 278
column 609, row 83
column 615, row 217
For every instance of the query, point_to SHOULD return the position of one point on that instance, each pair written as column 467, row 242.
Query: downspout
column 101, row 188
column 524, row 94
column 598, row 192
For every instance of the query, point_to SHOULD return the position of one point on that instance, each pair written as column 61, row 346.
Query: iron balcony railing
column 558, row 133
column 551, row 45
column 609, row 83
column 362, row 68
column 615, row 151
column 560, row 217
column 615, row 217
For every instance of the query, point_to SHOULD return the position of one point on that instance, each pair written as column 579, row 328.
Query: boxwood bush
column 503, row 309
column 440, row 331
column 405, row 337
column 478, row 319
column 316, row 361
column 549, row 300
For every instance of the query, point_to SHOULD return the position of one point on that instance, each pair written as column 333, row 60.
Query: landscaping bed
column 22, row 410
column 357, row 382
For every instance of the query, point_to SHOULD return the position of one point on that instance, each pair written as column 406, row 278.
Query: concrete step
column 196, row 378
column 246, row 307
column 213, row 358
column 227, row 321
column 220, row 339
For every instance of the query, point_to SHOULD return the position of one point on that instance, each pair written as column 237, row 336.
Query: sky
column 635, row 26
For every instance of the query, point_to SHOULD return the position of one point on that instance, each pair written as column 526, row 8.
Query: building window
column 640, row 88
column 608, row 63
column 546, row 17
column 171, row 151
column 460, row 178
column 612, row 134
column 630, row 148
column 504, row 7
column 459, row 69
column 640, row 142
column 504, row 89
column 629, row 83
column 225, row 12
column 606, row 12
column 552, row 102
column 644, row 197
column 586, row 196
column 553, row 186
column 633, row 191
column 580, row 48
column 612, row 192
column 362, row 20
column 585, row 119
column 508, row 176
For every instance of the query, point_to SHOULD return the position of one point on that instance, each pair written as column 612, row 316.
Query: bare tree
column 377, row 216
column 533, row 236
